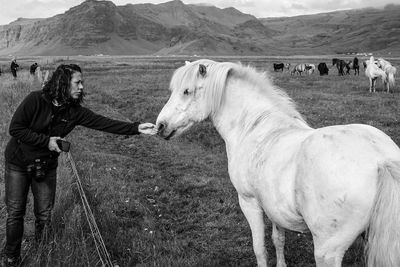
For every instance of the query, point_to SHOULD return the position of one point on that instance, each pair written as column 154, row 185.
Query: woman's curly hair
column 57, row 88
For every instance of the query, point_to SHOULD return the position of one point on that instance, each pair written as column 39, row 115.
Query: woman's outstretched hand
column 147, row 128
column 53, row 144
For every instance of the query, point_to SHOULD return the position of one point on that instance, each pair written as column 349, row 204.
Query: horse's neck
column 244, row 111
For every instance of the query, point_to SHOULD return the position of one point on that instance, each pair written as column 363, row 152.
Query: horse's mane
column 386, row 66
column 383, row 62
column 220, row 73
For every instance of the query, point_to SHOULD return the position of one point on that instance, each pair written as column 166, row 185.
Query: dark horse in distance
column 281, row 66
column 340, row 64
column 356, row 67
column 323, row 68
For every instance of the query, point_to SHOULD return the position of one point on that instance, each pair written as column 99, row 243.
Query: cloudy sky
column 10, row 10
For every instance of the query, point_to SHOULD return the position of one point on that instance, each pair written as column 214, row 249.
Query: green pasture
column 171, row 203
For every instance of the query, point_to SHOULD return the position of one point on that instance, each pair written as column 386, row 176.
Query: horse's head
column 188, row 100
column 334, row 61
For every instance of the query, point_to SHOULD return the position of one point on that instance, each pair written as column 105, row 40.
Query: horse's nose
column 161, row 126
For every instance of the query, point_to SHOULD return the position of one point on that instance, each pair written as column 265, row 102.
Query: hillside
column 362, row 30
column 174, row 28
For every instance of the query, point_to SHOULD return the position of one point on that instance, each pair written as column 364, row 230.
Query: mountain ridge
column 175, row 28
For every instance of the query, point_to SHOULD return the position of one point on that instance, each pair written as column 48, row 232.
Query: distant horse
column 335, row 181
column 373, row 72
column 349, row 65
column 281, row 66
column 299, row 68
column 390, row 72
column 310, row 68
column 340, row 65
column 356, row 67
column 323, row 68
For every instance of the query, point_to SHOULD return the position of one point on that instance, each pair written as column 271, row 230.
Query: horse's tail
column 383, row 248
column 390, row 75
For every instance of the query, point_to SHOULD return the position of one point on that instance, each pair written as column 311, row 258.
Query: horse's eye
column 186, row 92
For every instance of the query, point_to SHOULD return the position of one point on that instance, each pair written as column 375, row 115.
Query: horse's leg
column 370, row 85
column 278, row 237
column 255, row 217
column 373, row 85
column 386, row 83
column 334, row 230
column 329, row 250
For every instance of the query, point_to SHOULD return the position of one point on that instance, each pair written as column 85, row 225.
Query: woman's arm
column 96, row 121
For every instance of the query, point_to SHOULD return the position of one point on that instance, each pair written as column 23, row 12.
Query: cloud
column 11, row 10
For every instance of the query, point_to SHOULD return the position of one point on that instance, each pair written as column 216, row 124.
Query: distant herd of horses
column 374, row 69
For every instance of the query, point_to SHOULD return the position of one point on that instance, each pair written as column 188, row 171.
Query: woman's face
column 76, row 88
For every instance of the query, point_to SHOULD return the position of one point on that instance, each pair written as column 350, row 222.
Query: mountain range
column 175, row 28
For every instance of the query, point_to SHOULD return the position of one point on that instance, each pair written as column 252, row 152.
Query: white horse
column 310, row 68
column 373, row 72
column 299, row 68
column 390, row 72
column 336, row 181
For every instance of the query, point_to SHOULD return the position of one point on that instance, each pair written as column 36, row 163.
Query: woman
column 31, row 155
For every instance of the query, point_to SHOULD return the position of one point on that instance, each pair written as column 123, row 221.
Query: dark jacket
column 37, row 118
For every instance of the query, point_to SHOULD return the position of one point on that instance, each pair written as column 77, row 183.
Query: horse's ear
column 202, row 70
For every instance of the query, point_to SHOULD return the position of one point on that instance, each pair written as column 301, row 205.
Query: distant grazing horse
column 323, row 68
column 340, row 65
column 373, row 72
column 349, row 65
column 281, row 66
column 335, row 182
column 390, row 72
column 356, row 67
column 299, row 68
column 310, row 68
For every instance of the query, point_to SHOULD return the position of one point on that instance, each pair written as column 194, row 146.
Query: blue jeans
column 17, row 182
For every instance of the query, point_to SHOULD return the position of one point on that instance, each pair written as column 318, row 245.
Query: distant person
column 33, row 68
column 42, row 119
column 14, row 67
column 1, row 71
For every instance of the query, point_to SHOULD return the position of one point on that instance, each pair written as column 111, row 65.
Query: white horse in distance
column 299, row 69
column 310, row 68
column 335, row 182
column 390, row 72
column 373, row 72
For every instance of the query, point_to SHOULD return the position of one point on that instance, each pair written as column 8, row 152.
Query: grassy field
column 171, row 203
